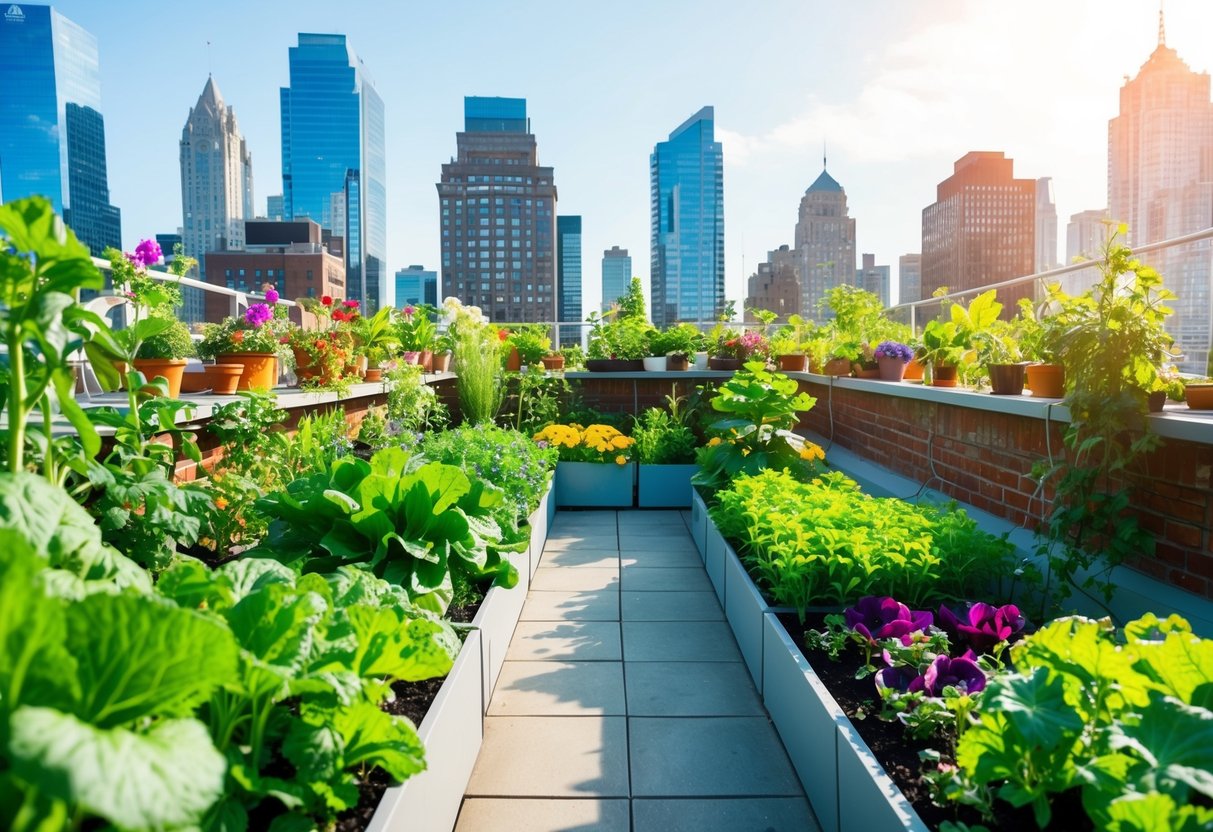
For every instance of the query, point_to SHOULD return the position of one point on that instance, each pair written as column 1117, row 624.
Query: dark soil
column 898, row 752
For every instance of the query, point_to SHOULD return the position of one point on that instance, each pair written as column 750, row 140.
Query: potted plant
column 574, row 356
column 654, row 355
column 416, row 332
column 665, row 453
column 443, row 347
column 892, row 358
column 1198, row 393
column 530, row 343
column 595, row 467
column 618, row 345
column 998, row 351
column 681, row 343
column 948, row 343
column 252, row 340
column 323, row 354
column 375, row 338
column 553, row 361
column 788, row 345
column 1039, row 339
column 164, row 355
column 732, row 349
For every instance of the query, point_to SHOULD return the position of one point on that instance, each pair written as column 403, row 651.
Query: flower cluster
column 596, row 443
column 812, row 452
column 147, row 253
column 893, row 349
column 743, row 346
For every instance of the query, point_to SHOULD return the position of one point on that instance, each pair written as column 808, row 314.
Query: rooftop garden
column 255, row 648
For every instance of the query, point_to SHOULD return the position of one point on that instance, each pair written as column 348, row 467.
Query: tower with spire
column 1160, row 183
column 824, row 241
column 216, row 187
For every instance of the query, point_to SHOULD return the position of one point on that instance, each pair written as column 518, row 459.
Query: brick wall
column 616, row 395
column 985, row 458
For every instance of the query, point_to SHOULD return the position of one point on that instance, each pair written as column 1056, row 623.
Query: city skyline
column 895, row 110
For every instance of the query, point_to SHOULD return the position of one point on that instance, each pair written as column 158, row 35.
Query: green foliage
column 631, row 304
column 43, row 267
column 826, row 542
column 173, row 342
column 478, row 365
column 626, row 338
column 537, row 400
column 409, row 521
column 413, row 405
column 574, row 356
column 662, row 439
column 759, row 408
column 418, row 331
column 1114, row 346
column 951, row 342
column 531, row 341
column 681, row 339
column 1123, row 717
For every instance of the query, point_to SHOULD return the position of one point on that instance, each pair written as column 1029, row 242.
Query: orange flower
column 221, row 503
column 238, row 336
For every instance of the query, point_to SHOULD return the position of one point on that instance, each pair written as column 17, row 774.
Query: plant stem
column 16, row 404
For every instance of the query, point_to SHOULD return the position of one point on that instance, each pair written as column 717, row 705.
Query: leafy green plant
column 826, row 542
column 416, row 330
column 662, row 439
column 536, row 400
column 173, row 342
column 409, row 521
column 681, row 339
column 1124, row 717
column 531, row 341
column 760, row 407
column 478, row 365
column 413, row 405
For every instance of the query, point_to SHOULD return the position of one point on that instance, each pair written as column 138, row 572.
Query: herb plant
column 661, row 439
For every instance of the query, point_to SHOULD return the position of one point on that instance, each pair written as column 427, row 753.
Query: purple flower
column 892, row 349
column 257, row 314
column 982, row 625
column 962, row 674
column 874, row 617
column 271, row 296
column 147, row 253
column 901, row 679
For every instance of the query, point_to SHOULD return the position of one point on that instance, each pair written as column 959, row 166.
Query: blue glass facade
column 568, row 276
column 687, row 220
column 494, row 115
column 333, row 142
column 616, row 275
column 52, row 134
column 416, row 284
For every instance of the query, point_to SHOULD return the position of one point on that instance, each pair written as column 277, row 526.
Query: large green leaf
column 277, row 624
column 392, row 645
column 1036, row 705
column 1179, row 664
column 1084, row 652
column 1155, row 813
column 1176, row 740
column 165, row 778
column 139, row 656
column 374, row 738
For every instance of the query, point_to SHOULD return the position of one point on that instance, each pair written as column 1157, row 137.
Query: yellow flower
column 745, row 451
column 621, row 460
column 714, row 441
column 812, row 451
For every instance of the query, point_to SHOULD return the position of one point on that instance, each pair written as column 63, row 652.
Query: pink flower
column 147, row 253
column 271, row 296
column 409, row 310
column 350, row 304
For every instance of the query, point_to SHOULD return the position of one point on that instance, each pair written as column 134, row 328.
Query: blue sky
column 899, row 90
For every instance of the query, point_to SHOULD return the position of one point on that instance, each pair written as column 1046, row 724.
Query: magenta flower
column 257, row 315
column 409, row 311
column 271, row 296
column 901, row 679
column 874, row 617
column 982, row 625
column 350, row 304
column 962, row 674
column 147, row 253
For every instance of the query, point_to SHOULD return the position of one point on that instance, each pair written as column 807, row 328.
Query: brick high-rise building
column 825, row 243
column 216, row 187
column 290, row 256
column 981, row 229
column 498, row 211
column 1160, row 182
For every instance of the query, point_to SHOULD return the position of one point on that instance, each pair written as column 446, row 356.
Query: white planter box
column 713, row 559
column 540, row 522
column 745, row 609
column 496, row 620
column 848, row 788
column 452, row 732
column 699, row 522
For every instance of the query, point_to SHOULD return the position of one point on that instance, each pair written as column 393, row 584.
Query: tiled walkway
column 624, row 703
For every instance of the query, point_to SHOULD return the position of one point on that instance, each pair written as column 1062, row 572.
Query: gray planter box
column 540, row 522
column 594, row 484
column 452, row 732
column 699, row 522
column 849, row 790
column 745, row 609
column 713, row 559
column 665, row 486
column 496, row 620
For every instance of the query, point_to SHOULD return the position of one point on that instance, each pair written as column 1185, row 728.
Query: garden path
column 624, row 703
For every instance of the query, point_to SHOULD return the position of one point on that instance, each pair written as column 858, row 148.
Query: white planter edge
column 699, row 522
column 745, row 609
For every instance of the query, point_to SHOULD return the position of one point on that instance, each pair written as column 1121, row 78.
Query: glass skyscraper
column 52, row 134
column 333, row 143
column 568, row 276
column 416, row 284
column 687, row 218
column 616, row 275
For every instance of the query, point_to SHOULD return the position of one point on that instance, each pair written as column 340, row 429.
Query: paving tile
column 677, row 641
column 565, row 641
column 676, row 556
column 689, row 689
column 560, row 756
column 657, row 543
column 605, row 542
column 578, row 557
column 559, row 689
column 486, row 814
column 708, row 757
column 571, row 580
column 644, row 521
column 752, row 814
column 597, row 605
column 663, row 579
column 670, row 606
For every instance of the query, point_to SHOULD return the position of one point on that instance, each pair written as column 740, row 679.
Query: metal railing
column 1039, row 279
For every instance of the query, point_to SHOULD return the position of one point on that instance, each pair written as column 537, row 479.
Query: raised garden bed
column 594, row 485
column 664, row 486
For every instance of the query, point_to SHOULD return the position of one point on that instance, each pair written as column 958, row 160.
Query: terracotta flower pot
column 891, row 368
column 170, row 369
column 943, row 375
column 1199, row 396
column 1046, row 381
column 865, row 372
column 427, row 361
column 719, row 363
column 1006, row 379
column 1156, row 401
column 794, row 363
column 513, row 361
column 374, row 375
column 677, row 362
column 913, row 370
column 442, row 362
column 410, row 357
column 219, row 379
column 553, row 362
column 837, row 367
column 260, row 369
